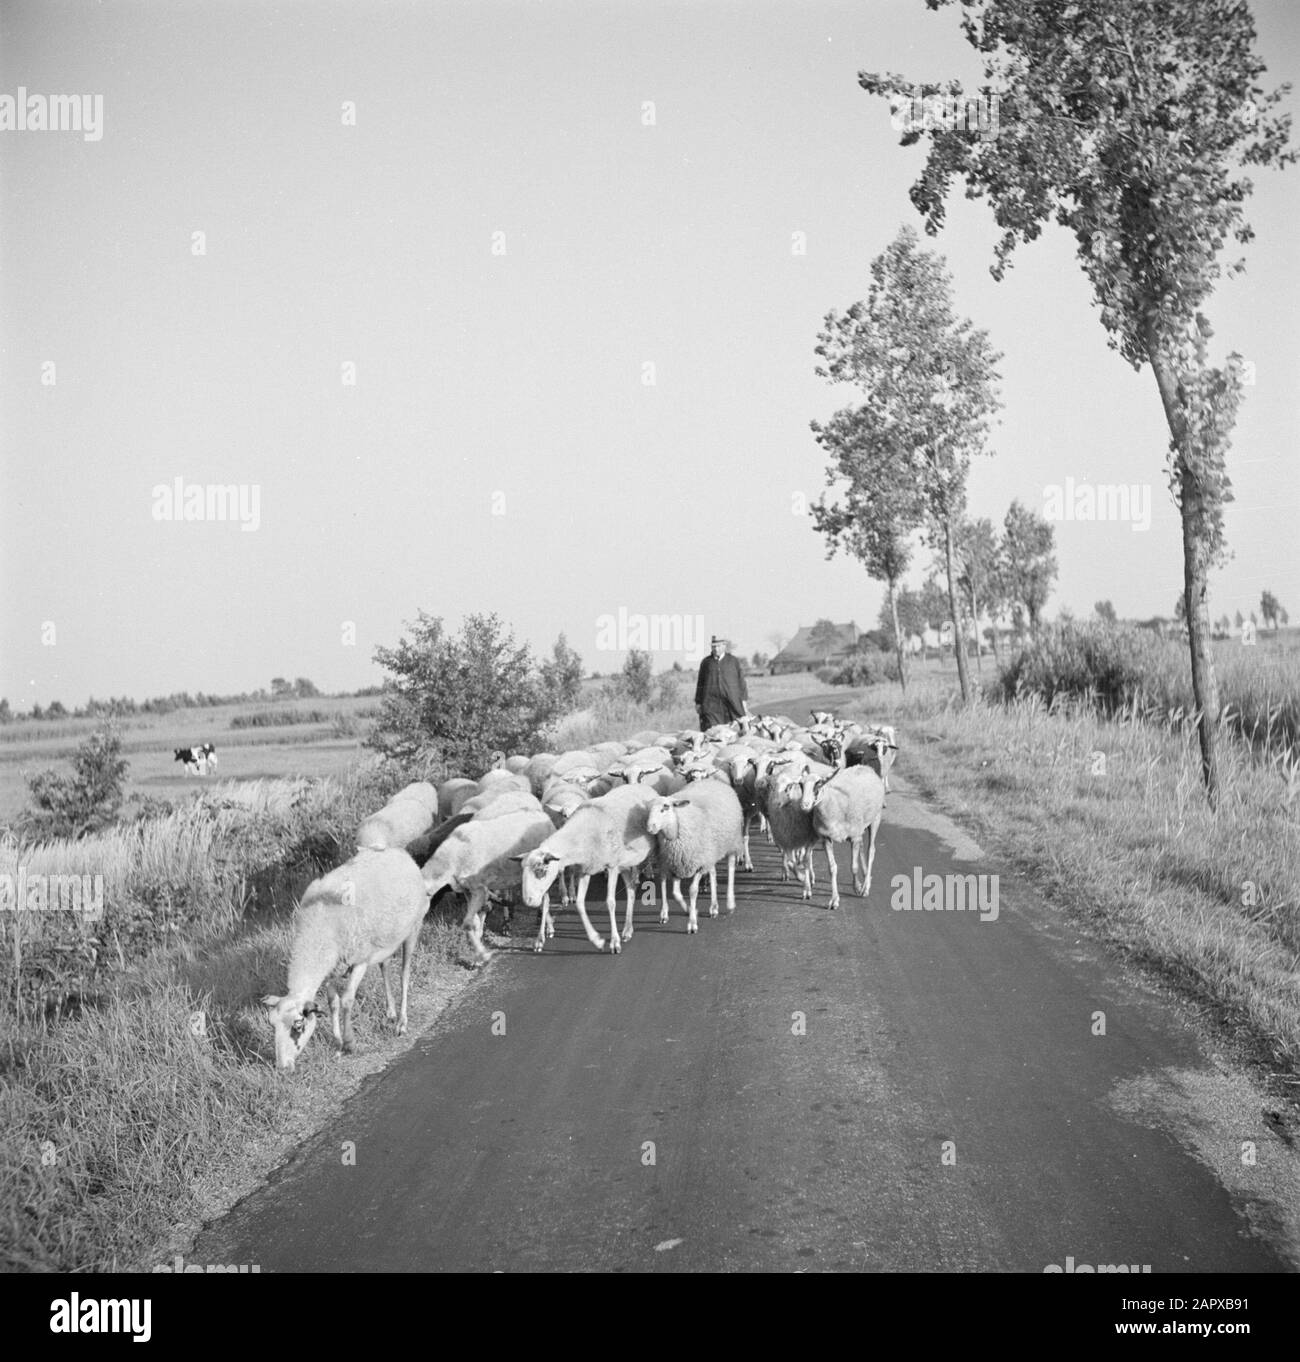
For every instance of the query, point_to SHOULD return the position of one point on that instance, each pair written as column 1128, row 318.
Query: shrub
column 457, row 699
column 63, row 806
column 867, row 669
column 634, row 682
column 1106, row 664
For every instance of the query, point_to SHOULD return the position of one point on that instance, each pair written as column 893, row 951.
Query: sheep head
column 539, row 871
column 293, row 1025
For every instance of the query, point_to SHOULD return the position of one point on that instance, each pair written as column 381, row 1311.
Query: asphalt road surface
column 793, row 1089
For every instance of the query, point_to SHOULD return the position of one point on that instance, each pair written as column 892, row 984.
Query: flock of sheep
column 663, row 806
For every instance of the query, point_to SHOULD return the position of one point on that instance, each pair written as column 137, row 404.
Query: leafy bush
column 635, row 682
column 866, row 669
column 457, row 699
column 63, row 806
column 1109, row 665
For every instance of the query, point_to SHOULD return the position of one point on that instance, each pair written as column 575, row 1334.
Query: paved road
column 668, row 1110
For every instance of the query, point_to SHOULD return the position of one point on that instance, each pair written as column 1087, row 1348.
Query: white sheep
column 693, row 832
column 493, row 803
column 399, row 823
column 354, row 917
column 476, row 859
column 846, row 807
column 422, row 791
column 605, row 836
column 453, row 793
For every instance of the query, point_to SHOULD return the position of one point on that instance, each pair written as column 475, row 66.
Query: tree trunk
column 958, row 643
column 1192, row 508
column 993, row 637
column 898, row 638
column 975, row 621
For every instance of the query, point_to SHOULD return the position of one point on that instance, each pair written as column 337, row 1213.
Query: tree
column 1130, row 125
column 880, row 510
column 929, row 381
column 280, row 688
column 1105, row 612
column 6, row 716
column 823, row 637
column 636, row 681
column 302, row 688
column 777, row 639
column 1028, row 563
column 1269, row 609
column 562, row 675
column 63, row 806
column 459, row 699
column 758, row 660
column 1238, row 620
column 979, row 578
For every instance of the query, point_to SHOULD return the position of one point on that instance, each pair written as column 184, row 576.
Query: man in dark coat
column 720, row 692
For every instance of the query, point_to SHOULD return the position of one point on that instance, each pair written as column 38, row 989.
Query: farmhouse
column 799, row 655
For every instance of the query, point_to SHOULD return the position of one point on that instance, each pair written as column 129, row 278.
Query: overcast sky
column 501, row 214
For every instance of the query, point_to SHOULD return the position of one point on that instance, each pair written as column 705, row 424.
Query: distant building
column 799, row 655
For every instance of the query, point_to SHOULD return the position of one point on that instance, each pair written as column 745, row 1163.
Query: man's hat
column 726, row 642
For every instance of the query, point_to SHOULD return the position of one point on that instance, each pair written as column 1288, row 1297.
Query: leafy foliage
column 1028, row 566
column 63, row 806
column 457, row 699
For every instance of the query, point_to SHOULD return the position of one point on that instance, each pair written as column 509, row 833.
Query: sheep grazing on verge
column 539, row 770
column 517, row 765
column 846, row 807
column 354, row 917
column 605, row 836
column 399, row 823
column 476, row 859
column 693, row 832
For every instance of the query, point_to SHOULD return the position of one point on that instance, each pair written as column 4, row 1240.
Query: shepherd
column 720, row 691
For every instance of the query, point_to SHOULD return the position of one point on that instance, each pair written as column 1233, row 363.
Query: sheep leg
column 688, row 909
column 408, row 959
column 693, row 921
column 747, row 864
column 713, row 891
column 630, row 881
column 355, row 976
column 807, row 875
column 872, row 831
column 663, row 898
column 543, row 922
column 611, row 902
column 475, row 916
column 388, row 992
column 835, row 873
column 731, row 883
column 592, row 935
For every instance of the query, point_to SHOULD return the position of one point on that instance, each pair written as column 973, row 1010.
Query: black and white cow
column 198, row 760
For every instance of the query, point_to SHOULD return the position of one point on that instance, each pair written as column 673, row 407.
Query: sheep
column 422, row 791
column 496, row 802
column 517, row 765
column 693, row 832
column 356, row 916
column 607, row 835
column 476, row 859
column 453, row 793
column 560, row 802
column 499, row 779
column 539, row 770
column 424, row 847
column 397, row 824
column 844, row 807
column 789, row 826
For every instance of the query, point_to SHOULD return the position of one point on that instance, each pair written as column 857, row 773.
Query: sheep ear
column 271, row 1000
column 549, row 856
column 680, row 803
column 522, row 856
